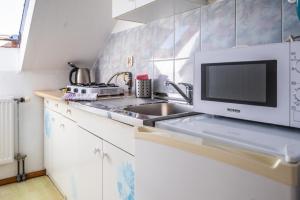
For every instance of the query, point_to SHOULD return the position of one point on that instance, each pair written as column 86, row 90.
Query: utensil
column 143, row 88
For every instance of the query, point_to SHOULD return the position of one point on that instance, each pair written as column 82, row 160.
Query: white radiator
column 7, row 130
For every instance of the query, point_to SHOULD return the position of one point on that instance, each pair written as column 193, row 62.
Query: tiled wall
column 165, row 48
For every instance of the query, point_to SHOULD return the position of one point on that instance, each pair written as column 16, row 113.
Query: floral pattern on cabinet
column 125, row 182
column 48, row 124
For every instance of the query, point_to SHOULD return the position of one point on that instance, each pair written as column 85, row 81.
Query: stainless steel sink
column 135, row 111
column 160, row 109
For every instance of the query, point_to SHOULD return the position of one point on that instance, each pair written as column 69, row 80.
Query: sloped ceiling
column 67, row 30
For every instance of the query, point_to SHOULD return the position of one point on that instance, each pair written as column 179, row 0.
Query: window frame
column 14, row 41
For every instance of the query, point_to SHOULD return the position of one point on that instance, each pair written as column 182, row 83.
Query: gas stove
column 101, row 89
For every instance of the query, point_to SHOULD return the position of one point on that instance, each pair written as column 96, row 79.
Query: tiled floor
column 34, row 189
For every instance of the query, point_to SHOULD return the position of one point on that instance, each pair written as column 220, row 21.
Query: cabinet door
column 50, row 129
column 87, row 183
column 62, row 152
column 140, row 3
column 118, row 174
column 120, row 7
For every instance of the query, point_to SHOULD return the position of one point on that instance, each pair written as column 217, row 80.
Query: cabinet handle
column 56, row 105
column 47, row 102
column 105, row 155
column 69, row 111
column 62, row 126
column 97, row 151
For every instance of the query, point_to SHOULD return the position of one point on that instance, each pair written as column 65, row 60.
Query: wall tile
column 184, row 71
column 129, row 45
column 258, row 21
column 115, row 50
column 163, row 71
column 163, row 38
column 291, row 23
column 187, row 33
column 218, row 25
column 213, row 26
column 144, row 42
column 144, row 67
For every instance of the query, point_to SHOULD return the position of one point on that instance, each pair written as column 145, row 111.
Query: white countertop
column 269, row 139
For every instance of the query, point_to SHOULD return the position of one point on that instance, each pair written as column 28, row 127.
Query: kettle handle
column 75, row 69
column 71, row 76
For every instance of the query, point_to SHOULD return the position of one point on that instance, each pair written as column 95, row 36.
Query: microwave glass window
column 246, row 83
column 242, row 83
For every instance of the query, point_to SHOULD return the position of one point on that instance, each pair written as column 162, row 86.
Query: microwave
column 259, row 83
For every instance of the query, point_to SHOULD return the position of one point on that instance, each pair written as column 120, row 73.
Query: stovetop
column 101, row 89
column 96, row 85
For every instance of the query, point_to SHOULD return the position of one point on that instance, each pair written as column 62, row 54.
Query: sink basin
column 160, row 109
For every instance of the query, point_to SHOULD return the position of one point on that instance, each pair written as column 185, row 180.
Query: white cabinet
column 63, row 157
column 88, row 167
column 118, row 174
column 179, row 167
column 140, row 3
column 145, row 11
column 50, row 120
column 87, row 156
column 120, row 7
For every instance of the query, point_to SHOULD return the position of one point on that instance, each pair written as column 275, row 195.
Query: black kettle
column 82, row 75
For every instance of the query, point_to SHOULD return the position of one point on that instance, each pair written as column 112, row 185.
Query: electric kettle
column 82, row 75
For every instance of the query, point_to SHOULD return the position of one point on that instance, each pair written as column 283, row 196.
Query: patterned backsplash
column 165, row 48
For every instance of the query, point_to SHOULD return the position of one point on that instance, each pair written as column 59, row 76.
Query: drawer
column 52, row 105
column 69, row 111
column 62, row 108
column 116, row 133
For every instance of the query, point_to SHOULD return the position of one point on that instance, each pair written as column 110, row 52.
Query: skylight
column 11, row 14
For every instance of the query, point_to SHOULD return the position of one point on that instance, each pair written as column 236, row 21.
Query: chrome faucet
column 189, row 90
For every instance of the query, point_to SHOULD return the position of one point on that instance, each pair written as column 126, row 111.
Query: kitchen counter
column 214, row 138
column 273, row 140
column 50, row 94
column 107, row 110
column 116, row 108
column 267, row 165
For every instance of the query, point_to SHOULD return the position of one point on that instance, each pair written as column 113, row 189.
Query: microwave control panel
column 295, row 84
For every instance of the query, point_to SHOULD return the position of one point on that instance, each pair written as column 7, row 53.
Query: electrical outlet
column 130, row 61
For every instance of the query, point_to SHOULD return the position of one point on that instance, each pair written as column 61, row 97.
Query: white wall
column 9, row 59
column 67, row 30
column 31, row 113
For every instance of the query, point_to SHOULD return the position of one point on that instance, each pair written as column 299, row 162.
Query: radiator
column 7, row 130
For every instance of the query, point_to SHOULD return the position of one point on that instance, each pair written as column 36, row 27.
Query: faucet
column 189, row 91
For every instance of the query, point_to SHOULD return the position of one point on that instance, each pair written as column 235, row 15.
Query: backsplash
column 165, row 48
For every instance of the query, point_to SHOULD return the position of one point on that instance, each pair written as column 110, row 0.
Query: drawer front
column 69, row 112
column 116, row 133
column 52, row 105
column 63, row 108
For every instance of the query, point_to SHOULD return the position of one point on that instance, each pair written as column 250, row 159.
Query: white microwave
column 260, row 83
